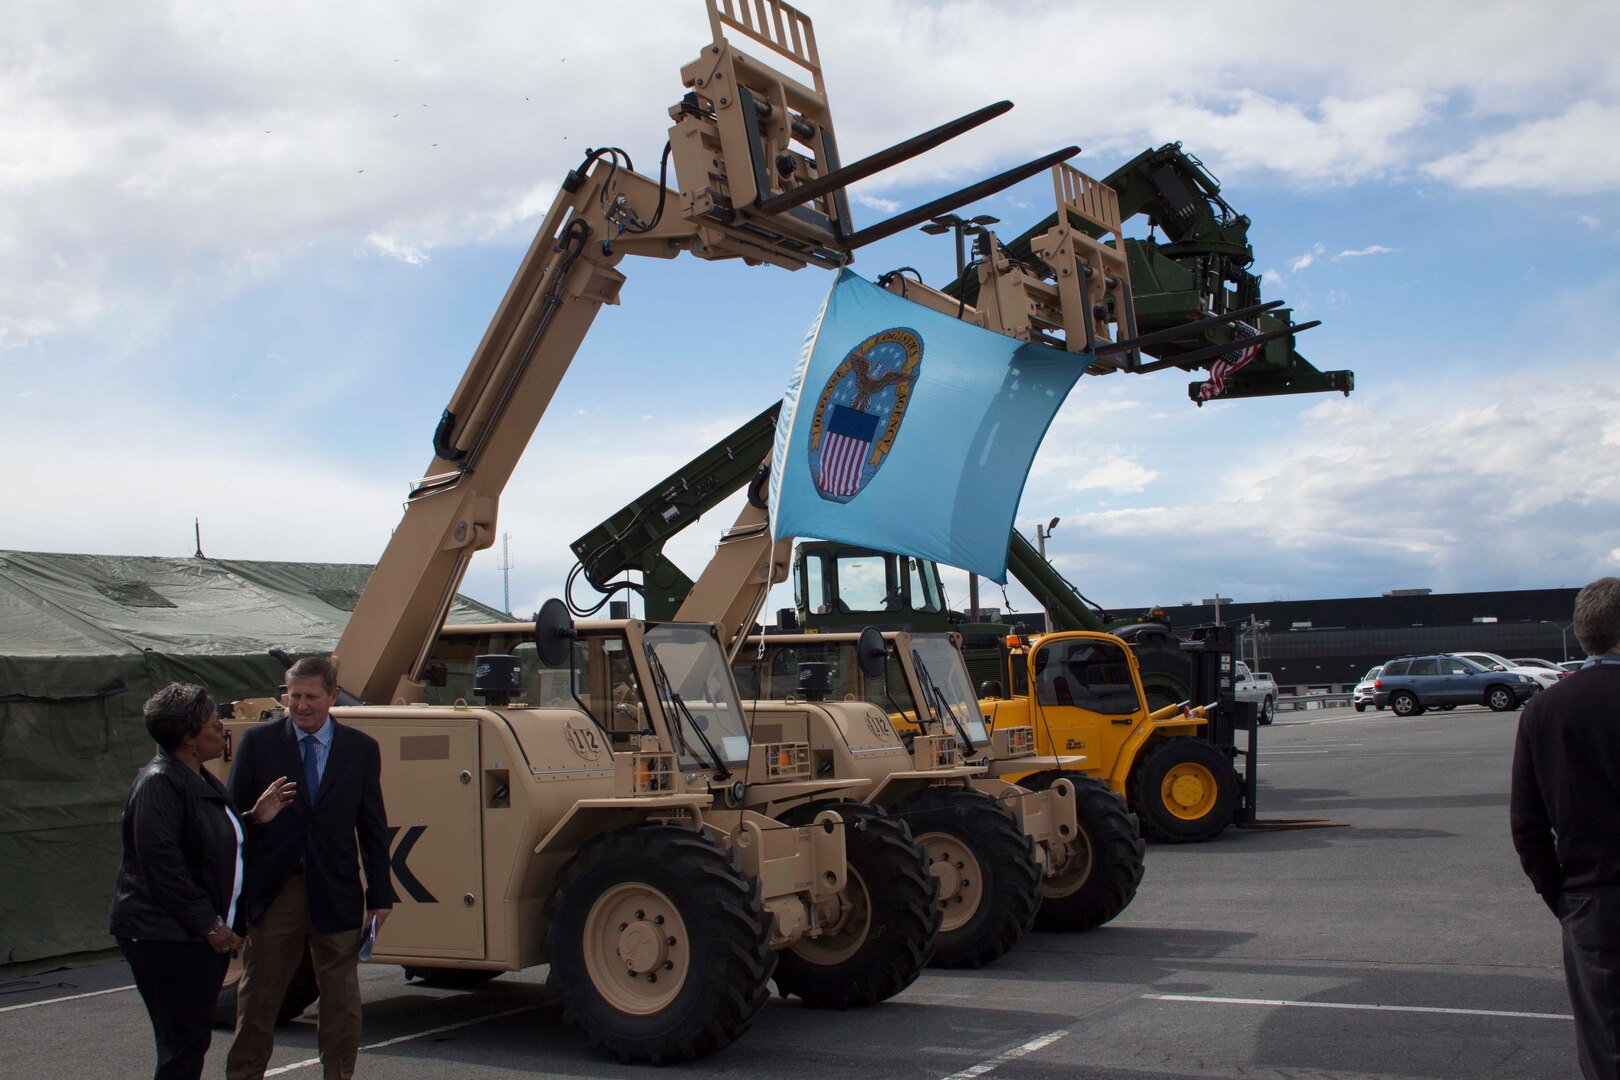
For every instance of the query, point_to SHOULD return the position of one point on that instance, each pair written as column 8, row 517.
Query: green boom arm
column 1203, row 270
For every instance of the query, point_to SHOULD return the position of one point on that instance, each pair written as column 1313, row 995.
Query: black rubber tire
column 450, row 978
column 1268, row 711
column 1166, row 672
column 1010, row 889
column 301, row 993
column 729, row 963
column 1107, row 885
column 899, row 938
column 1403, row 703
column 1361, row 706
column 1146, row 790
column 1501, row 698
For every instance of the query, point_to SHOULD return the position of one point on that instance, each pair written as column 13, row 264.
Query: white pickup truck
column 1258, row 687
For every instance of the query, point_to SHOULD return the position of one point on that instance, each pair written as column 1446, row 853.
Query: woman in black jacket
column 174, row 907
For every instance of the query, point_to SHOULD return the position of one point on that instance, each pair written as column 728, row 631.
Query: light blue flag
column 906, row 430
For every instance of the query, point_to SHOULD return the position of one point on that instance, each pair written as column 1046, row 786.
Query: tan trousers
column 275, row 948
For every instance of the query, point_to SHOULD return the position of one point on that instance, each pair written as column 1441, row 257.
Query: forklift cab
column 834, row 584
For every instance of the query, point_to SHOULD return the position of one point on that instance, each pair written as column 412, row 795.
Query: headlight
column 1525, row 678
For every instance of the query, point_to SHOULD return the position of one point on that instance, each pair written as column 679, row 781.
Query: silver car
column 1362, row 695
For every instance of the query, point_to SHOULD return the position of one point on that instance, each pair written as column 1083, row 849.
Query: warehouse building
column 1325, row 646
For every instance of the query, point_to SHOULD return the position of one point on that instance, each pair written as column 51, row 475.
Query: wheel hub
column 1187, row 791
column 642, row 947
column 961, row 879
column 636, row 948
column 1069, row 867
column 843, row 927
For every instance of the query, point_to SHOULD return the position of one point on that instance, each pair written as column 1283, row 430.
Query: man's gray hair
column 1597, row 616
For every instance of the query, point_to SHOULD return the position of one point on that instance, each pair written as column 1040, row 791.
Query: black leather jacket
column 179, row 861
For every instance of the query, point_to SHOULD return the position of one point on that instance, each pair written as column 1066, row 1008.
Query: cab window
column 863, row 583
column 1086, row 674
column 811, row 586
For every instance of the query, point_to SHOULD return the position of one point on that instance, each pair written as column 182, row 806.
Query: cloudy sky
column 246, row 250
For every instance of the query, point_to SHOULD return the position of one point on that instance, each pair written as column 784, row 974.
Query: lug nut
column 669, row 941
column 658, row 920
column 652, row 978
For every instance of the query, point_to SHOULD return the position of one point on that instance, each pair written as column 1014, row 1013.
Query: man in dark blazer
column 1565, row 814
column 303, row 887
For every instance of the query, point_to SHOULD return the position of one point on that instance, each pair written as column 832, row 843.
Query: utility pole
column 196, row 529
column 1041, row 533
column 1252, row 626
column 1217, row 603
column 506, row 572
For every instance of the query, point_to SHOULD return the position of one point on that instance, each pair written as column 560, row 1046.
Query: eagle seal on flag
column 860, row 409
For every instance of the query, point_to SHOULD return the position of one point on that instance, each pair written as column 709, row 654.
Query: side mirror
column 553, row 632
column 872, row 653
column 1498, row 667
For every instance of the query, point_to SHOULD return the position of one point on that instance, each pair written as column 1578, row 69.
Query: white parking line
column 1011, row 1055
column 1357, row 1007
column 58, row 1001
column 310, row 1062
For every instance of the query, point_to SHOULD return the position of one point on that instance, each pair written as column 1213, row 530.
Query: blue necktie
column 312, row 773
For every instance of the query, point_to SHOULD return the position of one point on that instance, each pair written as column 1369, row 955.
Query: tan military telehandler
column 987, row 841
column 633, row 862
column 1089, row 874
column 527, row 834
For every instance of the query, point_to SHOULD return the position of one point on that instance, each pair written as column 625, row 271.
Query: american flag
column 1229, row 362
column 843, row 455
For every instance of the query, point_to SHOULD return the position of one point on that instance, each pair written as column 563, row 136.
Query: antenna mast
column 506, row 572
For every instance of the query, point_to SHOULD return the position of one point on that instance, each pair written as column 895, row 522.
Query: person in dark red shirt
column 1564, row 810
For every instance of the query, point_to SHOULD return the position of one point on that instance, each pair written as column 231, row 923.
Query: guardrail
column 1290, row 703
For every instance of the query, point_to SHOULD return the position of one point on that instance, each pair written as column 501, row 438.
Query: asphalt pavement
column 1403, row 943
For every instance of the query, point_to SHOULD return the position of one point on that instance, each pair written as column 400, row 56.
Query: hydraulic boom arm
column 759, row 179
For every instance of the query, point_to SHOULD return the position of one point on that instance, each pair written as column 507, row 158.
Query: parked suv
column 1362, row 695
column 1411, row 684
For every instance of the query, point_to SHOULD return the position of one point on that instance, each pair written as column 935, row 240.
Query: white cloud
column 1271, row 277
column 1370, row 249
column 1574, row 153
column 1515, row 483
column 1589, row 221
column 1115, row 472
column 160, row 158
column 1300, row 262
column 881, row 205
column 394, row 248
column 1332, row 140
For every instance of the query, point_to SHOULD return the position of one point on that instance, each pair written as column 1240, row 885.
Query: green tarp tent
column 84, row 641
